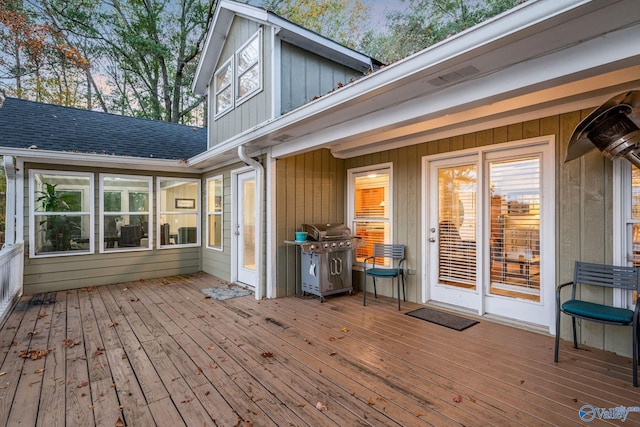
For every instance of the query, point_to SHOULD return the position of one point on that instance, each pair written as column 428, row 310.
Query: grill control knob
column 341, row 244
column 333, row 245
column 348, row 243
column 326, row 245
column 312, row 247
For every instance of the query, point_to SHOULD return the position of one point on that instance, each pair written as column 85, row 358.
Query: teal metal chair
column 394, row 253
column 609, row 276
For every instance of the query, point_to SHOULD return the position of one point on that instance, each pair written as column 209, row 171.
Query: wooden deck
column 157, row 352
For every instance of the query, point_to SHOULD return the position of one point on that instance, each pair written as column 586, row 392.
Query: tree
column 33, row 56
column 426, row 23
column 148, row 49
column 338, row 20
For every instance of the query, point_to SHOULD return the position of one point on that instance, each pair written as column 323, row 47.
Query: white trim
column 272, row 214
column 20, row 197
column 198, row 199
column 622, row 225
column 101, row 213
column 276, row 75
column 90, row 213
column 10, row 201
column 234, row 218
column 207, row 213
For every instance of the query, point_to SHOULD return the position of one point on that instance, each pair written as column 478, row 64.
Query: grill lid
column 320, row 232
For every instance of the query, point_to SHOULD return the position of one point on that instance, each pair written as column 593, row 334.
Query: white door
column 453, row 232
column 244, row 223
column 490, row 232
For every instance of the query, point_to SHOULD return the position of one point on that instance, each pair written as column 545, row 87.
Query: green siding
column 305, row 75
column 77, row 271
column 256, row 109
column 310, row 188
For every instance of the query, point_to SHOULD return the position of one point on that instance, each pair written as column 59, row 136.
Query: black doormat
column 444, row 319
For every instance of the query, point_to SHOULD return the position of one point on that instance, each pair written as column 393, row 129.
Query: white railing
column 11, row 280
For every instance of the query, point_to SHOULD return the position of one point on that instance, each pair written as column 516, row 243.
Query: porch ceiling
column 542, row 58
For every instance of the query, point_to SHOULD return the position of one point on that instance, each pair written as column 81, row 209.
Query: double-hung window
column 214, row 212
column 61, row 205
column 178, row 212
column 125, row 206
column 370, row 206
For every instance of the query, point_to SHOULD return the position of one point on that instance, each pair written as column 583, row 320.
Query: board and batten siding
column 584, row 212
column 305, row 75
column 310, row 188
column 56, row 273
column 254, row 110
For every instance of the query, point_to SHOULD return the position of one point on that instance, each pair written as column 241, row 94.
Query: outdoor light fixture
column 612, row 128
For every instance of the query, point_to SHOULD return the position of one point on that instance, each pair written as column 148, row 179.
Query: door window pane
column 515, row 228
column 457, row 225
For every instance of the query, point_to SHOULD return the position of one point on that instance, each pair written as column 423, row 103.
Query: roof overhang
column 541, row 58
column 286, row 30
column 98, row 160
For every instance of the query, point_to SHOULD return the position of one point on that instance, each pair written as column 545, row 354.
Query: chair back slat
column 381, row 250
column 612, row 276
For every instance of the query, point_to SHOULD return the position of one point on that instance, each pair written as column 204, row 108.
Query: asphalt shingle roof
column 24, row 124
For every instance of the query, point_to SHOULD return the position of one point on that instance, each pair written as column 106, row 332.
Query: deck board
column 158, row 352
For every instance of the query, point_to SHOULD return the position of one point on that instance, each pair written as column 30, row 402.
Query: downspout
column 10, row 219
column 259, row 216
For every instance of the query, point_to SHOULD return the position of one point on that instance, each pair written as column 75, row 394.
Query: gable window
column 125, row 207
column 61, row 206
column 248, row 73
column 370, row 206
column 214, row 212
column 178, row 212
column 223, row 81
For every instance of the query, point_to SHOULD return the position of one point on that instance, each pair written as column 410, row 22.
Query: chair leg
column 635, row 354
column 398, row 280
column 575, row 337
column 364, row 290
column 375, row 292
column 555, row 354
column 404, row 295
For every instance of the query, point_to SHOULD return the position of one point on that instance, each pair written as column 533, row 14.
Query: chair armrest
column 558, row 292
column 372, row 264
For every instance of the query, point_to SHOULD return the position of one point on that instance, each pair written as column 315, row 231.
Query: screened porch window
column 126, row 212
column 214, row 212
column 178, row 212
column 371, row 215
column 62, row 206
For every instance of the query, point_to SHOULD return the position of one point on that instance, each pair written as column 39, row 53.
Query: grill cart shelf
column 326, row 259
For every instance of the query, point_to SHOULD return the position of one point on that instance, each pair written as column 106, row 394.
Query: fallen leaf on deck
column 417, row 414
column 332, row 339
column 135, row 300
column 214, row 366
column 33, row 354
column 521, row 382
column 207, row 297
column 83, row 384
column 98, row 353
column 187, row 400
column 345, row 330
column 457, row 398
column 200, row 316
column 125, row 289
column 41, row 315
column 332, row 353
column 307, row 341
column 112, row 324
column 33, row 333
column 119, row 423
column 211, row 347
column 267, row 354
column 39, row 371
column 3, row 374
column 372, row 401
column 321, row 406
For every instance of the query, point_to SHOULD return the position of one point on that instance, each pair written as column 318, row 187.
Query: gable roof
column 286, row 30
column 27, row 124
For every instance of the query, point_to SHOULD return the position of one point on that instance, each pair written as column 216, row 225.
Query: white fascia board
column 560, row 67
column 97, row 160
